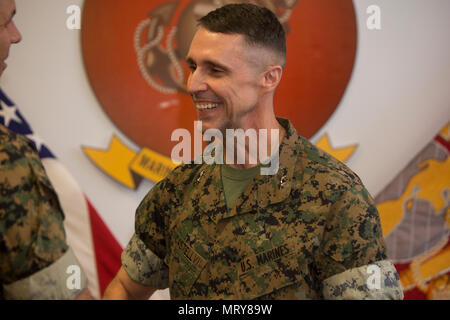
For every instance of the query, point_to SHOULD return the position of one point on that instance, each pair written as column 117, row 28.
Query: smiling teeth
column 207, row 106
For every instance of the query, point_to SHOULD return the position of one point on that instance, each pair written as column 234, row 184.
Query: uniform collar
column 276, row 188
column 265, row 190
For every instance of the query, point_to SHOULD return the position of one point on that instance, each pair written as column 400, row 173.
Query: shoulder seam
column 350, row 181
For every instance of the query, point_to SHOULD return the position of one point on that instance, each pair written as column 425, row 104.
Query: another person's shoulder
column 19, row 161
column 32, row 234
column 14, row 146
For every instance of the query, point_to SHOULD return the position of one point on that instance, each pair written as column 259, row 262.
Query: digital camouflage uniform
column 34, row 255
column 311, row 231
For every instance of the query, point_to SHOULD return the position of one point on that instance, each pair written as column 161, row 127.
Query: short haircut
column 259, row 25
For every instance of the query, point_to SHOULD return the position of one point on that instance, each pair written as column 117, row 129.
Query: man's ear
column 271, row 77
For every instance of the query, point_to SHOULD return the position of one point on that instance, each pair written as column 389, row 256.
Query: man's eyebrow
column 211, row 63
column 216, row 64
column 11, row 16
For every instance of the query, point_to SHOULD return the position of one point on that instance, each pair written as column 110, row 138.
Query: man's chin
column 208, row 124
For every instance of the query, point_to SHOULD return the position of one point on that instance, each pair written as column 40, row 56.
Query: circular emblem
column 134, row 57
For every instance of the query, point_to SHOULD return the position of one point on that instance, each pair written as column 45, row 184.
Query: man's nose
column 14, row 33
column 196, row 82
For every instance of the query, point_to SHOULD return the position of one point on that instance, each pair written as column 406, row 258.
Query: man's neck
column 269, row 134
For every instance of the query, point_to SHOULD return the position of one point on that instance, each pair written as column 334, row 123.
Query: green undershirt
column 235, row 181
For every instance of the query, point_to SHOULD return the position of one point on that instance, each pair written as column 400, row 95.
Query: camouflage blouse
column 33, row 249
column 311, row 231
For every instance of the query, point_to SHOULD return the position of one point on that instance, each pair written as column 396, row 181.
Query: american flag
column 95, row 246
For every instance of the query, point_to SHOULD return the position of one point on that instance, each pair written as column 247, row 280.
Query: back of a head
column 259, row 25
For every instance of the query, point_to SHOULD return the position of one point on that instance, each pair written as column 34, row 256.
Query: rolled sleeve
column 143, row 266
column 377, row 281
column 62, row 280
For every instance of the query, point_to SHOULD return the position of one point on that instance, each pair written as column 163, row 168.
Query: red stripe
column 107, row 249
column 443, row 142
column 402, row 266
column 414, row 294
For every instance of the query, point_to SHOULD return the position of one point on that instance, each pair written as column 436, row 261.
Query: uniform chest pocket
column 269, row 273
column 185, row 266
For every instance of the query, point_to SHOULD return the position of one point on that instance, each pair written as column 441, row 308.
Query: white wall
column 397, row 99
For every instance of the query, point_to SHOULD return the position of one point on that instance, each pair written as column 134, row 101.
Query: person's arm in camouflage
column 143, row 271
column 34, row 256
column 352, row 260
column 141, row 274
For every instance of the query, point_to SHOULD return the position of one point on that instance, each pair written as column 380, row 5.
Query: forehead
column 208, row 45
column 7, row 8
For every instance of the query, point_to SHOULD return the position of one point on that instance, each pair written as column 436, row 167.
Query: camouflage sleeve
column 62, row 280
column 352, row 239
column 377, row 281
column 143, row 266
column 31, row 220
column 151, row 219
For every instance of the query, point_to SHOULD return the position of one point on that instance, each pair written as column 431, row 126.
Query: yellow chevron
column 342, row 153
column 114, row 161
column 445, row 132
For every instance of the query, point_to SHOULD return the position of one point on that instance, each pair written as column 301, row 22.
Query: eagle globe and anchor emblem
column 135, row 64
column 154, row 61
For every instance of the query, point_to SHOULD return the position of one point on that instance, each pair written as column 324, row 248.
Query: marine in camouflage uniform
column 34, row 256
column 311, row 231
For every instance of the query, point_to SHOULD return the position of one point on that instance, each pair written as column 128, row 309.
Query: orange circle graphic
column 133, row 54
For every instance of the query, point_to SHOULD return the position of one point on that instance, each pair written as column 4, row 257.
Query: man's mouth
column 206, row 105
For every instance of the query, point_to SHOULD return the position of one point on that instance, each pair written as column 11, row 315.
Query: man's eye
column 215, row 70
column 192, row 67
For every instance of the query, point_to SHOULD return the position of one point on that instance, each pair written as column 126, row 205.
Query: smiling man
column 232, row 87
column 225, row 231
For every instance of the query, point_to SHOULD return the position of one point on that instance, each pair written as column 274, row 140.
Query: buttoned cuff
column 143, row 266
column 376, row 281
column 62, row 280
